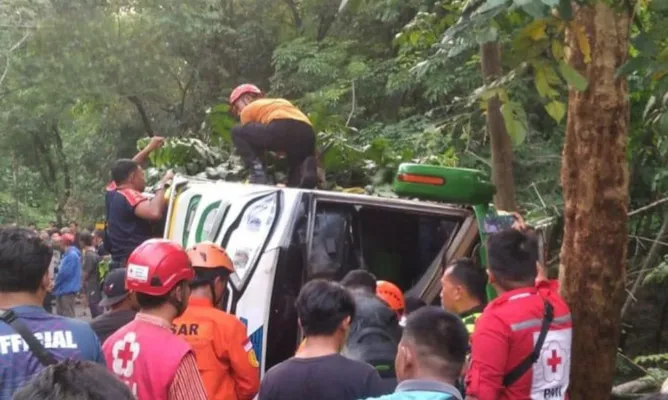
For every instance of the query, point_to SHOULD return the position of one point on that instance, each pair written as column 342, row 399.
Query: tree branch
column 295, row 15
column 142, row 113
column 647, row 265
column 7, row 55
column 647, row 207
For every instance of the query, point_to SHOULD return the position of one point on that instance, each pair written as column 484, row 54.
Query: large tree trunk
column 501, row 147
column 594, row 176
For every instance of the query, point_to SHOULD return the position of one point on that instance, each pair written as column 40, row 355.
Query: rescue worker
column 276, row 125
column 225, row 355
column 521, row 345
column 392, row 296
column 145, row 354
column 463, row 290
column 375, row 331
column 129, row 214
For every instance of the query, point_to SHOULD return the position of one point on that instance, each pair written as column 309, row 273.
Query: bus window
column 395, row 245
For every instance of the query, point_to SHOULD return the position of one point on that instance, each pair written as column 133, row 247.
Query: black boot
column 309, row 174
column 257, row 176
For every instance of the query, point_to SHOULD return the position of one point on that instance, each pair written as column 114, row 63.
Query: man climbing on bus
column 275, row 125
column 129, row 214
column 225, row 356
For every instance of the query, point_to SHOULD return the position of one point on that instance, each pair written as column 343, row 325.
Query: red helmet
column 241, row 90
column 156, row 266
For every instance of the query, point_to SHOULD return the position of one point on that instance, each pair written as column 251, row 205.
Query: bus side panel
column 253, row 306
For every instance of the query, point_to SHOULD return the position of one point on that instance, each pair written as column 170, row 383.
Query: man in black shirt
column 121, row 304
column 325, row 310
column 375, row 331
column 128, row 212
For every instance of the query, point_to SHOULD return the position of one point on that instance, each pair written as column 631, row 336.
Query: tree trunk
column 501, row 147
column 594, row 177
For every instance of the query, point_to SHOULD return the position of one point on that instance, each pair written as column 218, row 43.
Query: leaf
column 663, row 123
column 658, row 5
column 583, row 41
column 515, row 121
column 632, row 65
column 649, row 106
column 486, row 35
column 543, row 79
column 557, row 50
column 573, row 77
column 535, row 30
column 556, row 109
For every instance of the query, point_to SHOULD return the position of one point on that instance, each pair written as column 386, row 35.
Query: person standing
column 374, row 331
column 121, row 304
column 68, row 279
column 431, row 355
column 521, row 346
column 325, row 310
column 463, row 290
column 145, row 354
column 225, row 356
column 91, row 274
column 129, row 214
column 24, row 282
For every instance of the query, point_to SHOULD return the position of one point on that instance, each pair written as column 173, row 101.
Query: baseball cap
column 113, row 288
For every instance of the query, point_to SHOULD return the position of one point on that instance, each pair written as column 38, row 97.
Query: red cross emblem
column 554, row 361
column 124, row 353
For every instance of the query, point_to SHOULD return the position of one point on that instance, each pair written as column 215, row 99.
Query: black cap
column 113, row 288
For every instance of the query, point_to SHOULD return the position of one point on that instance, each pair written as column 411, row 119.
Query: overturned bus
column 279, row 238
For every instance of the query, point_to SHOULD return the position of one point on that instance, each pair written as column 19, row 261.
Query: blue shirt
column 68, row 278
column 65, row 338
column 418, row 389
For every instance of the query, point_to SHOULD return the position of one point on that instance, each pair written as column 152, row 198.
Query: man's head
column 325, row 308
column 32, row 226
column 74, row 227
column 86, row 239
column 114, row 294
column 74, row 380
column 242, row 96
column 129, row 173
column 463, row 286
column 433, row 346
column 212, row 269
column 66, row 240
column 98, row 237
column 359, row 279
column 513, row 256
column 24, row 262
column 159, row 272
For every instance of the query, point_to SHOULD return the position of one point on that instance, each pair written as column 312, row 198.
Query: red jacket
column 505, row 334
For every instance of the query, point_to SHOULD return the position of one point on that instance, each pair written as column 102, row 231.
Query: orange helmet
column 210, row 255
column 391, row 294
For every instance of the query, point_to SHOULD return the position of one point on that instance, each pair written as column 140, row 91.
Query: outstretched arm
column 155, row 143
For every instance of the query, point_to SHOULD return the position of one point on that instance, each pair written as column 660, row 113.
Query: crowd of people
column 163, row 337
column 157, row 332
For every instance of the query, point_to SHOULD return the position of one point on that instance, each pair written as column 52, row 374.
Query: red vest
column 145, row 356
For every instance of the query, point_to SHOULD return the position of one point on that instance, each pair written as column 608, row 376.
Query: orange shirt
column 264, row 111
column 225, row 356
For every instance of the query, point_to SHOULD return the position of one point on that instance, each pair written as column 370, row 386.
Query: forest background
column 520, row 89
